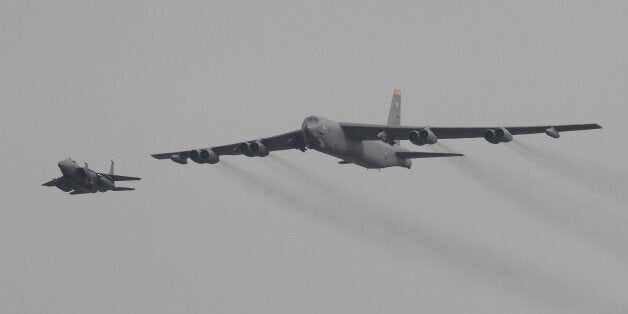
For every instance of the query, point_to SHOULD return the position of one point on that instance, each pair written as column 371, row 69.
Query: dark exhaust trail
column 346, row 211
column 591, row 174
column 540, row 199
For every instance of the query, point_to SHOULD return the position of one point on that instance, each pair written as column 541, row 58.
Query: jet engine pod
column 209, row 156
column 245, row 148
column 420, row 138
column 179, row 159
column 258, row 149
column 195, row 155
column 552, row 132
column 496, row 136
column 204, row 156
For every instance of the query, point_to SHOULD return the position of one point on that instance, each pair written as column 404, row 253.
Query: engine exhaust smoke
column 591, row 174
column 346, row 211
column 541, row 199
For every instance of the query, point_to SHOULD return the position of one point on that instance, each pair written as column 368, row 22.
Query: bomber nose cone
column 311, row 128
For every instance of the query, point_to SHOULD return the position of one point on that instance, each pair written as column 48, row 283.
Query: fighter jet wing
column 284, row 141
column 374, row 131
column 52, row 182
column 76, row 192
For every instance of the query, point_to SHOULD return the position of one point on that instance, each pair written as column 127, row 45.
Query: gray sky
column 536, row 226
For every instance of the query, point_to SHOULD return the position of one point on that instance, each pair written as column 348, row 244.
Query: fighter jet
column 371, row 146
column 81, row 180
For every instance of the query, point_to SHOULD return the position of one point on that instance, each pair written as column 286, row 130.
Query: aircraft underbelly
column 79, row 186
column 368, row 154
column 330, row 139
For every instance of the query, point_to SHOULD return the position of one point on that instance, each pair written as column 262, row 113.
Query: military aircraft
column 371, row 146
column 81, row 180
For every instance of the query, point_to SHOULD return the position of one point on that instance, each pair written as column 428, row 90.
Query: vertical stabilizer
column 111, row 174
column 394, row 116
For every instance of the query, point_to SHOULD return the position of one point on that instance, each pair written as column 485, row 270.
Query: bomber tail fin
column 394, row 116
column 111, row 169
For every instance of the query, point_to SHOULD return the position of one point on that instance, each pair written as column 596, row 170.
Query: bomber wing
column 284, row 141
column 374, row 132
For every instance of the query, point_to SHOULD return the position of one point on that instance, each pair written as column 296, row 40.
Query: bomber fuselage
column 326, row 136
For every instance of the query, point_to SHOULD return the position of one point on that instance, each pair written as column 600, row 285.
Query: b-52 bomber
column 370, row 146
column 82, row 180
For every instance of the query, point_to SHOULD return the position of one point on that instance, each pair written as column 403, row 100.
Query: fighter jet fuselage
column 81, row 180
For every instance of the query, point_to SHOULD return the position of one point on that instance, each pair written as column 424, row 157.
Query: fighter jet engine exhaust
column 106, row 183
column 496, row 136
column 420, row 138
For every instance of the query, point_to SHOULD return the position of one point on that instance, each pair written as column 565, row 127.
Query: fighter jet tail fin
column 121, row 188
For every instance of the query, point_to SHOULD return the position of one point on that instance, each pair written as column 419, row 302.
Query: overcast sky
column 534, row 226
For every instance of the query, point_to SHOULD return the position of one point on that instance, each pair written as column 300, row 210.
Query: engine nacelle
column 209, row 156
column 245, row 148
column 496, row 136
column 420, row 138
column 179, row 159
column 204, row 156
column 195, row 155
column 258, row 149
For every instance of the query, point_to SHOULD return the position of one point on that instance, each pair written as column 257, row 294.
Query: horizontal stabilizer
column 120, row 188
column 408, row 155
column 115, row 177
column 344, row 162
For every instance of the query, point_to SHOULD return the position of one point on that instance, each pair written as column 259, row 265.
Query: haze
column 535, row 226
